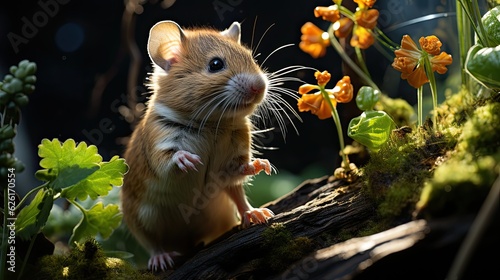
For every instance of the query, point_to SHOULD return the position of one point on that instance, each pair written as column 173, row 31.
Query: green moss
column 86, row 261
column 449, row 172
column 394, row 177
column 481, row 134
column 284, row 249
column 460, row 185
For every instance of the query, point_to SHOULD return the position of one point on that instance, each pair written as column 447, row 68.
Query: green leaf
column 371, row 129
column 78, row 171
column 99, row 182
column 34, row 216
column 484, row 65
column 491, row 23
column 366, row 98
column 57, row 156
column 97, row 220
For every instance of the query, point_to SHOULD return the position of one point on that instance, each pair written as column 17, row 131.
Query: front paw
column 256, row 216
column 186, row 161
column 255, row 167
column 161, row 261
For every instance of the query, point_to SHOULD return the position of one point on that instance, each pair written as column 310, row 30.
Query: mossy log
column 328, row 213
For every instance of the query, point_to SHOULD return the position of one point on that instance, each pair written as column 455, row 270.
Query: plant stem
column 432, row 83
column 477, row 15
column 465, row 42
column 386, row 41
column 335, row 43
column 420, row 93
column 361, row 61
column 468, row 9
column 336, row 120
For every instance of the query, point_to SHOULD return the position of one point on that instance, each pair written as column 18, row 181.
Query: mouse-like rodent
column 191, row 153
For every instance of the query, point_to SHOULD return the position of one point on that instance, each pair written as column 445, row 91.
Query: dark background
column 78, row 43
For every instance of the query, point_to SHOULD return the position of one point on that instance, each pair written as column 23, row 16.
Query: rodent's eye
column 216, row 64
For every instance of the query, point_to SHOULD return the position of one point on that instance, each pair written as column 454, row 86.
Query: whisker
column 289, row 69
column 228, row 102
column 262, row 37
column 273, row 52
column 279, row 104
column 253, row 32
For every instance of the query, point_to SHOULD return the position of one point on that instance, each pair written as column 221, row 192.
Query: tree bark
column 322, row 209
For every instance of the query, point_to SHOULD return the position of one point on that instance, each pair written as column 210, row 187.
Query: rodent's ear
column 164, row 43
column 233, row 32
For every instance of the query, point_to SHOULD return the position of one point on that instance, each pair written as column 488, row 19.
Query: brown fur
column 166, row 208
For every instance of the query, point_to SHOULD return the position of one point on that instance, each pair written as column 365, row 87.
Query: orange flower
column 440, row 61
column 313, row 40
column 416, row 78
column 343, row 27
column 344, row 90
column 367, row 18
column 362, row 38
column 330, row 13
column 410, row 60
column 408, row 48
column 407, row 61
column 404, row 65
column 322, row 77
column 430, row 44
column 365, row 3
column 315, row 102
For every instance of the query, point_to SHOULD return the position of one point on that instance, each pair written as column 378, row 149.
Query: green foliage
column 69, row 171
column 14, row 90
column 74, row 172
column 491, row 23
column 371, row 128
column 367, row 98
column 483, row 63
column 33, row 217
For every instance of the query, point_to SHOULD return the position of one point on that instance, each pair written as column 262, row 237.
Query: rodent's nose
column 258, row 87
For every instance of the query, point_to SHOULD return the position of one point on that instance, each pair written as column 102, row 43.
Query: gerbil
column 191, row 153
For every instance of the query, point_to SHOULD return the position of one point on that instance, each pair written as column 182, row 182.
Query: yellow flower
column 330, row 13
column 365, row 3
column 362, row 38
column 409, row 59
column 315, row 102
column 365, row 21
column 343, row 27
column 313, row 40
column 367, row 18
